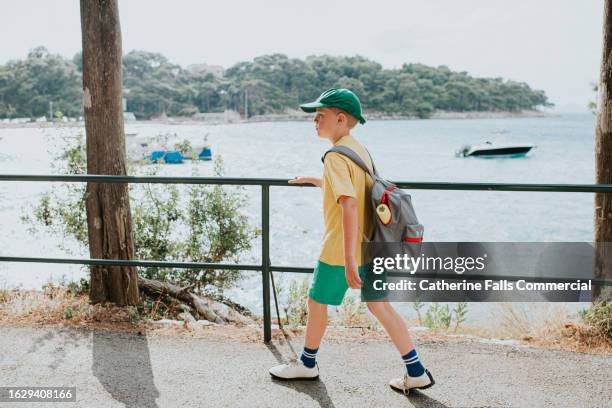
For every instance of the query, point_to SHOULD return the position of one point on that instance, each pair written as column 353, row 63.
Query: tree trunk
column 109, row 219
column 603, row 159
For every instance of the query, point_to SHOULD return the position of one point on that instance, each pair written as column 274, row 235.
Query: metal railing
column 266, row 268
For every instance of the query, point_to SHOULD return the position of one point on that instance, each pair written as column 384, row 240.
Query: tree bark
column 109, row 219
column 603, row 160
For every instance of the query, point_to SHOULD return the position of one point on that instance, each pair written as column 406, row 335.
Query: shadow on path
column 65, row 340
column 122, row 364
column 314, row 389
column 420, row 400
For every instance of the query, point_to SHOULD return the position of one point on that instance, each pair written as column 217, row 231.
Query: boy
column 347, row 216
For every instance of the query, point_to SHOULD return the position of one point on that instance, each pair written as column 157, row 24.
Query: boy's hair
column 351, row 121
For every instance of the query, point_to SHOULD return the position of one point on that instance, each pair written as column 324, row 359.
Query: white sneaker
column 295, row 370
column 405, row 383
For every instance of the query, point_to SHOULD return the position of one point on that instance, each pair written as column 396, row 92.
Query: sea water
column 403, row 150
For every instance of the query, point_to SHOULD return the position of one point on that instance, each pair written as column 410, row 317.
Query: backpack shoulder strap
column 371, row 161
column 350, row 153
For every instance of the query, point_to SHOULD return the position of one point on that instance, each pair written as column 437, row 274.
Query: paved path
column 114, row 369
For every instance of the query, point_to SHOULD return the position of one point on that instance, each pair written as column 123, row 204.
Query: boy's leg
column 328, row 288
column 316, row 324
column 306, row 367
column 394, row 325
column 416, row 376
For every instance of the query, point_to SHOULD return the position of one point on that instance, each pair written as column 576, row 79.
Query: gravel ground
column 117, row 369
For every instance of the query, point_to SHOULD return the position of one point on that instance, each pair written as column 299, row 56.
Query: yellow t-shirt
column 343, row 177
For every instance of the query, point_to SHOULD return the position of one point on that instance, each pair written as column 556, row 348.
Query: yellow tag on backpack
column 384, row 213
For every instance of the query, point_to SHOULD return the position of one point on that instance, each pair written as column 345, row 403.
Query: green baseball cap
column 340, row 98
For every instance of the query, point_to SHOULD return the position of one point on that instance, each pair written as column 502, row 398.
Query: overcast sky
column 554, row 45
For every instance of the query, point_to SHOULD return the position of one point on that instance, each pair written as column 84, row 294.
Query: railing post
column 265, row 260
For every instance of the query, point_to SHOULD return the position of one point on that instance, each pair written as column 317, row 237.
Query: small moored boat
column 206, row 153
column 167, row 156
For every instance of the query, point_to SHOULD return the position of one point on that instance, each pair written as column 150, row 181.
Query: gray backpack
column 395, row 220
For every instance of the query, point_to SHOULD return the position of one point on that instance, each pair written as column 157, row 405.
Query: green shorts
column 329, row 285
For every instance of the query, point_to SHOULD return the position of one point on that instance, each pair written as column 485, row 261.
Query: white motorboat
column 495, row 150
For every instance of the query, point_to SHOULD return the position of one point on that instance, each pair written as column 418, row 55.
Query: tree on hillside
column 27, row 87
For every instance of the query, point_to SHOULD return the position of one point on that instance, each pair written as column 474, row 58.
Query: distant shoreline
column 296, row 116
column 300, row 116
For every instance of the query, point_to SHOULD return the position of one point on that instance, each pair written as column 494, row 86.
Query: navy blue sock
column 308, row 357
column 413, row 364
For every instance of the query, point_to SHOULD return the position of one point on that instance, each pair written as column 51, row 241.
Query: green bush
column 599, row 318
column 79, row 288
column 212, row 226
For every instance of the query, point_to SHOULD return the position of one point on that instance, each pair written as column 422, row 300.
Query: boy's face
column 330, row 123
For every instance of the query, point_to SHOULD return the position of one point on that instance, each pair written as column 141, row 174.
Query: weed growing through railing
column 460, row 310
column 296, row 310
column 417, row 305
column 352, row 313
column 439, row 317
column 5, row 295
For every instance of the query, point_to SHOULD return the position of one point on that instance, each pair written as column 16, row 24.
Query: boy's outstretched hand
column 352, row 275
column 306, row 180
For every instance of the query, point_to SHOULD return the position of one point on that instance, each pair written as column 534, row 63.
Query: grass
column 5, row 295
column 551, row 326
column 547, row 326
column 59, row 305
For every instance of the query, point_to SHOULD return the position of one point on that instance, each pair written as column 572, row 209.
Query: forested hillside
column 273, row 83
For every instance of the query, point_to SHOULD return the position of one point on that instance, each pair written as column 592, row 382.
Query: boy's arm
column 350, row 231
column 306, row 180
